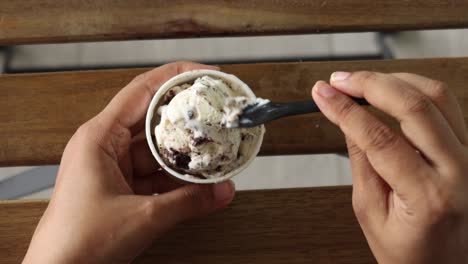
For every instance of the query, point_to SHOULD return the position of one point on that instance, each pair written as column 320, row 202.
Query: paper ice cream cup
column 153, row 119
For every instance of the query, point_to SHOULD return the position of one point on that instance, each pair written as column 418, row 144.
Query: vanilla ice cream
column 235, row 106
column 192, row 136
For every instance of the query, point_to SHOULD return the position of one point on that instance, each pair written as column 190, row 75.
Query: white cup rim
column 178, row 80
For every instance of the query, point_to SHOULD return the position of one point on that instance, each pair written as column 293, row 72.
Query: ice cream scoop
column 192, row 140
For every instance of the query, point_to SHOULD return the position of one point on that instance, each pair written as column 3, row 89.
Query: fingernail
column 325, row 90
column 340, row 76
column 224, row 191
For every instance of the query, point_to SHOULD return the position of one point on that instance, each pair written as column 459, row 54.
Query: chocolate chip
column 246, row 137
column 190, row 114
column 201, row 140
column 182, row 160
column 166, row 153
column 218, row 169
column 168, row 97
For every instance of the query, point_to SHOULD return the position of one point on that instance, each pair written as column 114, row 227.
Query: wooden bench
column 310, row 225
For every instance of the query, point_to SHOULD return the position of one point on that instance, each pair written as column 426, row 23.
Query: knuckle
column 416, row 103
column 439, row 91
column 88, row 132
column 149, row 209
column 199, row 196
column 83, row 131
column 441, row 205
column 366, row 77
column 345, row 110
column 178, row 66
column 140, row 77
column 380, row 136
column 353, row 149
column 118, row 140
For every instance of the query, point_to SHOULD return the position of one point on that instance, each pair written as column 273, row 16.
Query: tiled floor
column 265, row 172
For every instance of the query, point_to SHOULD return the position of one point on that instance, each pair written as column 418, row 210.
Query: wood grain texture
column 39, row 112
column 41, row 21
column 312, row 225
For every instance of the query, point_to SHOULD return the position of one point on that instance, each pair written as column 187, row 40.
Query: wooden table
column 310, row 225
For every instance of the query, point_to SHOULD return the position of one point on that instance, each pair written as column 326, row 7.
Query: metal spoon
column 257, row 114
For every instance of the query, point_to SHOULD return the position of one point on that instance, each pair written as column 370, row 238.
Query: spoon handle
column 303, row 107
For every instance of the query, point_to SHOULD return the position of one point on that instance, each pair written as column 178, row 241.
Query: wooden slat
column 40, row 21
column 39, row 112
column 313, row 225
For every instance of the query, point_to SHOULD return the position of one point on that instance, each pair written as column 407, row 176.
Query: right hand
column 410, row 189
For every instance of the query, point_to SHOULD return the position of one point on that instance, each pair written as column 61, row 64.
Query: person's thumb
column 189, row 202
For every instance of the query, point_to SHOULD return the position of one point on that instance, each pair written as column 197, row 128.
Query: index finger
column 128, row 108
column 420, row 120
column 392, row 157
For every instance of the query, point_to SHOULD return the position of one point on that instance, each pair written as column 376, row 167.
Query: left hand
column 102, row 209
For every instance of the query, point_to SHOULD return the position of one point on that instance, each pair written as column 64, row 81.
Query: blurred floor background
column 265, row 172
